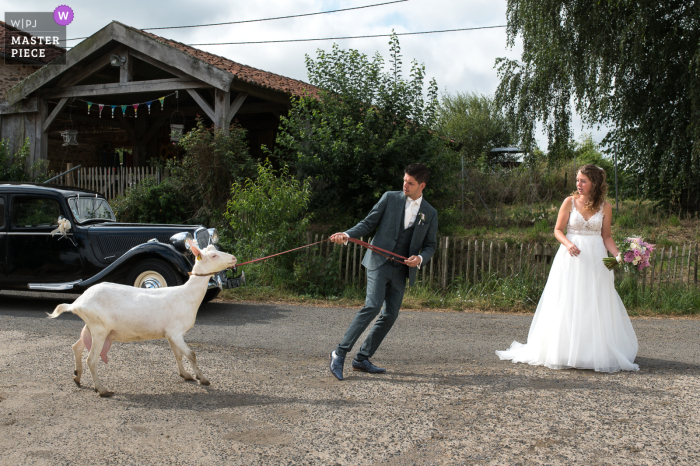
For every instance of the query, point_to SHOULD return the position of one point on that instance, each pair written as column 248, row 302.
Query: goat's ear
column 195, row 250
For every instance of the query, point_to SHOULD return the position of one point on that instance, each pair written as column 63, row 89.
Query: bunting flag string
column 123, row 107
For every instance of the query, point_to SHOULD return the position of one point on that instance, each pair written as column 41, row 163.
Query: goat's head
column 210, row 260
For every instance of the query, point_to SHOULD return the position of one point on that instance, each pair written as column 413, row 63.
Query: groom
column 406, row 225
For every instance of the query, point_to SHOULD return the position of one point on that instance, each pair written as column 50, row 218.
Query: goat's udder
column 87, row 340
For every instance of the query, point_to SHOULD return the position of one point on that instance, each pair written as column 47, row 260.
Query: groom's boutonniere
column 422, row 218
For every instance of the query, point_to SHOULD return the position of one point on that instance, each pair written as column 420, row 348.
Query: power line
column 265, row 19
column 347, row 37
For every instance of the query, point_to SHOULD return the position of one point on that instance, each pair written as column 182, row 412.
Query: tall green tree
column 475, row 121
column 631, row 65
column 367, row 123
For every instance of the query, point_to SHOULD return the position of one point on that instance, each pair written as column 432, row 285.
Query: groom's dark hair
column 418, row 171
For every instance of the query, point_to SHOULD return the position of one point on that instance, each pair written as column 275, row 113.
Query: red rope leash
column 380, row 251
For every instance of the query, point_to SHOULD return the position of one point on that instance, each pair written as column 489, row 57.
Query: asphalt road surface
column 446, row 399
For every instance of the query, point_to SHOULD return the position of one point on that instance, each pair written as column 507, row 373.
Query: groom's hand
column 413, row 261
column 339, row 238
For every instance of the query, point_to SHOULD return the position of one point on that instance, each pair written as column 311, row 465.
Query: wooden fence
column 457, row 260
column 109, row 181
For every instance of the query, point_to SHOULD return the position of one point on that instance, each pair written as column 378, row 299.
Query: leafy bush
column 13, row 167
column 150, row 202
column 266, row 216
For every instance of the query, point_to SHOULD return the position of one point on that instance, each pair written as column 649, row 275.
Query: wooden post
column 476, row 253
column 454, row 260
column 661, row 265
column 497, row 270
column 675, row 263
column 490, row 257
column 461, row 259
column 444, row 262
column 652, row 259
column 695, row 269
column 690, row 253
column 483, row 253
column 313, row 252
column 644, row 280
column 466, row 274
column 505, row 262
column 520, row 268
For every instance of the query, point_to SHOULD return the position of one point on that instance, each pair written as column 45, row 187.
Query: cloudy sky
column 459, row 61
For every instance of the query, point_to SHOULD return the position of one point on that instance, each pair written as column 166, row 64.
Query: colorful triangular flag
column 101, row 107
column 113, row 107
column 162, row 100
column 136, row 106
column 89, row 105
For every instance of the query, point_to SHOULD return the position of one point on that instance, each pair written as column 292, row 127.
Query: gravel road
column 446, row 399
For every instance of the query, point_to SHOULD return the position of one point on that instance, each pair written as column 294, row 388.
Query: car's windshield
column 88, row 208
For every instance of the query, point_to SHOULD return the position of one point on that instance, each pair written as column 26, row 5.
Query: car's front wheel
column 211, row 294
column 152, row 274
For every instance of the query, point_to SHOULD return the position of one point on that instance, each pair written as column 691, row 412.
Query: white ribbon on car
column 63, row 227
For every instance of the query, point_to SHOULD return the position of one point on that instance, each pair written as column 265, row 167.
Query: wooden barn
column 121, row 89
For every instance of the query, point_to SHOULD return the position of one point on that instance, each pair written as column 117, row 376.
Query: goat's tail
column 60, row 309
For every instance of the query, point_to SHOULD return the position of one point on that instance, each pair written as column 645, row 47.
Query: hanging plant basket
column 70, row 137
column 177, row 125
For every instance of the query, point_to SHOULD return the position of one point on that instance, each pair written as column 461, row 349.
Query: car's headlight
column 180, row 241
column 213, row 235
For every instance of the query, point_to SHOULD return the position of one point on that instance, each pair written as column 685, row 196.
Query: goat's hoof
column 204, row 382
column 187, row 377
column 77, row 381
column 106, row 394
column 75, row 372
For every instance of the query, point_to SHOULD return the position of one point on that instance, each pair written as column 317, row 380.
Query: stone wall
column 10, row 75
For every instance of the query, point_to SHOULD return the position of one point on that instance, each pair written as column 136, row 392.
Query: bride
column 580, row 320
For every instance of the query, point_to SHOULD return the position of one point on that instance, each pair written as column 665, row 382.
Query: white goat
column 113, row 312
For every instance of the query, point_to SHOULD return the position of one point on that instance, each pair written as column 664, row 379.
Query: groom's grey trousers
column 385, row 285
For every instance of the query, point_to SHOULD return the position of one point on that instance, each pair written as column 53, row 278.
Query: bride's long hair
column 599, row 189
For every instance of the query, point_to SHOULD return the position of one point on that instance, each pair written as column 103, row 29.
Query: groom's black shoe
column 366, row 366
column 337, row 363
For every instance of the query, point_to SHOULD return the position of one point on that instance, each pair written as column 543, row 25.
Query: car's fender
column 150, row 250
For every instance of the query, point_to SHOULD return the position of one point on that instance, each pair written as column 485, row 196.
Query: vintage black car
column 35, row 255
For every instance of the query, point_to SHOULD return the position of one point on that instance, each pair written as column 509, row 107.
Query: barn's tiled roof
column 245, row 73
column 52, row 51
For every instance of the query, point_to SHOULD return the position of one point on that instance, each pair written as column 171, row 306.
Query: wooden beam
column 74, row 76
column 236, row 104
column 195, row 67
column 41, row 141
column 59, row 106
column 153, row 62
column 222, row 107
column 153, row 129
column 23, row 106
column 126, row 71
column 203, row 104
column 257, row 91
column 155, row 85
column 130, row 37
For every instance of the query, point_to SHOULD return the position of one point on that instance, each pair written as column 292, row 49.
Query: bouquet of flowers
column 636, row 254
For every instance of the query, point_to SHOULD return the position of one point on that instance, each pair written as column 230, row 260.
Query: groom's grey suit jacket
column 386, row 217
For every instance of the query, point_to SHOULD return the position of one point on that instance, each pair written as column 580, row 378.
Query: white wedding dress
column 580, row 320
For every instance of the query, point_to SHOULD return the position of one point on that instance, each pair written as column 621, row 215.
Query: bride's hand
column 573, row 250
